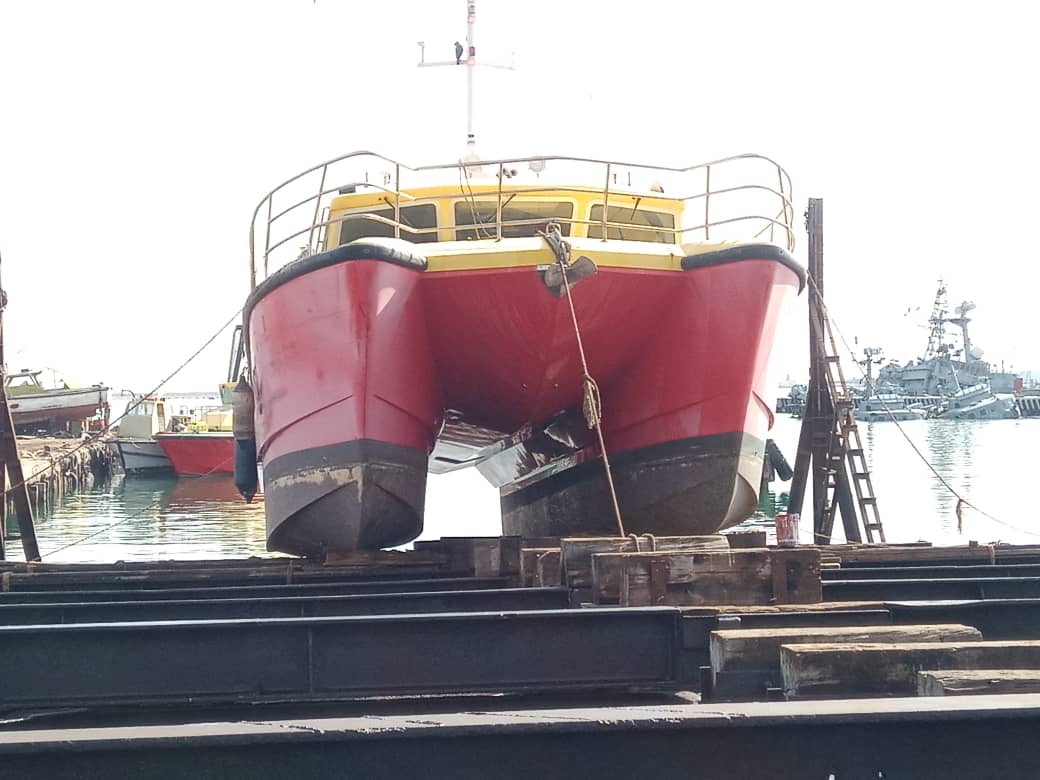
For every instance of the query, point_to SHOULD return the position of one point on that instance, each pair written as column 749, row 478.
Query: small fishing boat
column 202, row 446
column 533, row 317
column 35, row 407
column 136, row 446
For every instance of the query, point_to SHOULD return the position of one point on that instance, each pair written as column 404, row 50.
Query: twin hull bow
column 364, row 360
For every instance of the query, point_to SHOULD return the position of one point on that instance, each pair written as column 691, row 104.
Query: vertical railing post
column 252, row 255
column 397, row 200
column 498, row 218
column 707, row 202
column 317, row 207
column 606, row 203
column 788, row 209
column 267, row 238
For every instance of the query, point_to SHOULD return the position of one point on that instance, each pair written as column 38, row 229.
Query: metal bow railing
column 746, row 196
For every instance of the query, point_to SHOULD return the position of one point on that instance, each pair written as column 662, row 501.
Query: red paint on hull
column 372, row 351
column 341, row 354
column 199, row 454
column 341, row 357
column 676, row 355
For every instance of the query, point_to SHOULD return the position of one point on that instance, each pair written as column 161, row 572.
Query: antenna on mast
column 467, row 56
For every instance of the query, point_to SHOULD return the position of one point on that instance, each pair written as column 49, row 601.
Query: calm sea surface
column 989, row 462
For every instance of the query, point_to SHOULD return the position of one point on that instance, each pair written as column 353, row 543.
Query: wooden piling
column 56, row 468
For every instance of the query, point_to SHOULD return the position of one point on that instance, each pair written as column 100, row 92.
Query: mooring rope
column 591, row 406
column 961, row 500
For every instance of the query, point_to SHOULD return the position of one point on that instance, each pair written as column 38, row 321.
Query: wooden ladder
column 845, row 442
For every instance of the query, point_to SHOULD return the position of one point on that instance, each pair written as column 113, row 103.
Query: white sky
column 136, row 138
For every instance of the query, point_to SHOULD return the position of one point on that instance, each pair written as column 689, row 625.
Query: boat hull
column 347, row 403
column 684, row 487
column 199, row 454
column 362, row 494
column 57, row 406
column 141, row 455
column 360, row 354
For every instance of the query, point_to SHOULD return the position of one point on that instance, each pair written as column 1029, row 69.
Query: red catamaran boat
column 432, row 321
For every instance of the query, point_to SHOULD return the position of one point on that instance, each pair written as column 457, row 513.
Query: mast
column 471, row 64
column 937, row 333
column 962, row 321
column 466, row 55
column 871, row 356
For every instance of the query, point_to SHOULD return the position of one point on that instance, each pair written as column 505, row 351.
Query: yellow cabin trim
column 533, row 252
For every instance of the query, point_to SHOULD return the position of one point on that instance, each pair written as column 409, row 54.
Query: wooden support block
column 479, row 556
column 796, row 576
column 839, row 669
column 962, row 682
column 735, row 577
column 509, row 556
column 549, row 571
column 428, row 559
column 578, row 552
column 742, row 540
column 529, row 563
column 540, row 567
column 759, row 648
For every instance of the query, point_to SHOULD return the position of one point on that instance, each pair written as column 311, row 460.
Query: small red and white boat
column 203, row 446
column 199, row 453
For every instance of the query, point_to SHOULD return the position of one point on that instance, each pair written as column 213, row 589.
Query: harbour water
column 988, row 462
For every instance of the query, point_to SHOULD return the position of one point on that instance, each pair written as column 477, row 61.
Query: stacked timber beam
column 747, row 663
column 844, row 670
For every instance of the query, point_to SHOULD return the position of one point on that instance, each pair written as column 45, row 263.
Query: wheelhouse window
column 519, row 219
column 144, row 409
column 633, row 224
column 419, row 217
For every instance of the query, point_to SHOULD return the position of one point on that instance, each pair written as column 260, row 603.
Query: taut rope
column 590, row 405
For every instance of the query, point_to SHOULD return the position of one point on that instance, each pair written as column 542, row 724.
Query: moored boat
column 198, row 453
column 135, row 445
column 979, row 402
column 431, row 323
column 34, row 406
column 203, row 446
column 883, row 407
